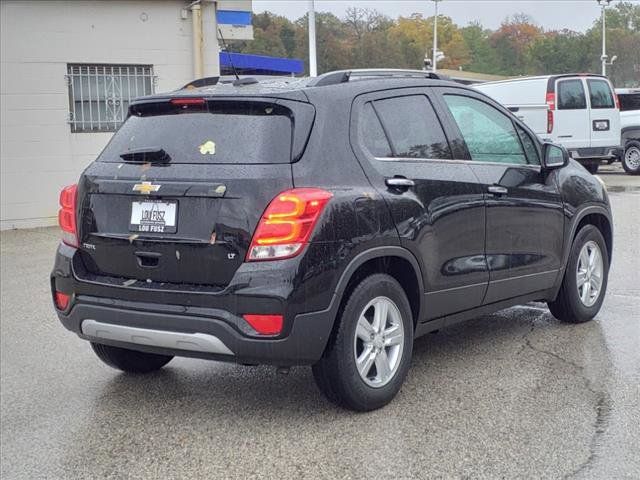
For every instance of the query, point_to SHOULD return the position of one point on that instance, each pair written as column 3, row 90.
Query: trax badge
column 146, row 187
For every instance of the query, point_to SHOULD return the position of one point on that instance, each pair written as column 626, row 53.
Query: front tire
column 130, row 361
column 585, row 279
column 631, row 158
column 367, row 361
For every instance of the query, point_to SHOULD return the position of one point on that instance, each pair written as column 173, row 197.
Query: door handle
column 497, row 190
column 399, row 182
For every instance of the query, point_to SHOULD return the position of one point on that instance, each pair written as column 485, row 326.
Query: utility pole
column 434, row 59
column 313, row 63
column 603, row 58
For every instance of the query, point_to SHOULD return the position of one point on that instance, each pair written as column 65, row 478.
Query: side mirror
column 555, row 156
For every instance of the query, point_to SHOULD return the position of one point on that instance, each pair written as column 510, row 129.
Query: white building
column 69, row 69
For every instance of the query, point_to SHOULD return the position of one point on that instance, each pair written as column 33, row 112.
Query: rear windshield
column 629, row 101
column 600, row 94
column 259, row 135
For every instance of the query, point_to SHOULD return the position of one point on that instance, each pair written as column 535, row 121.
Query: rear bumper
column 211, row 337
column 196, row 322
column 595, row 154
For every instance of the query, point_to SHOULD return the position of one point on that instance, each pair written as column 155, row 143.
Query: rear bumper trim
column 595, row 153
column 194, row 342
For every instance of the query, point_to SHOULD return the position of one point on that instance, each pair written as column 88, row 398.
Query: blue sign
column 233, row 17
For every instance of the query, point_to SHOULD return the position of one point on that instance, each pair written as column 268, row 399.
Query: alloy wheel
column 589, row 273
column 379, row 342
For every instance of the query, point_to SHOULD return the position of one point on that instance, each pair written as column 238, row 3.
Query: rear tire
column 130, row 361
column 631, row 158
column 374, row 336
column 576, row 301
column 592, row 168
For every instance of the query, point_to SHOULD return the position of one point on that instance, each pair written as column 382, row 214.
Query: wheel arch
column 600, row 220
column 595, row 215
column 395, row 261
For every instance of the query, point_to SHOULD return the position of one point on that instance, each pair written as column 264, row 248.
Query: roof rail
column 343, row 76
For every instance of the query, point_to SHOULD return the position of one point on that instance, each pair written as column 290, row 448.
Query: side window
column 413, row 127
column 529, row 145
column 371, row 134
column 489, row 134
column 600, row 94
column 571, row 95
column 629, row 101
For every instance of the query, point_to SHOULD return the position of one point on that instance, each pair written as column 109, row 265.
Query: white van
column 579, row 111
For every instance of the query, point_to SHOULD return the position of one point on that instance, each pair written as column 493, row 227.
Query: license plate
column 153, row 217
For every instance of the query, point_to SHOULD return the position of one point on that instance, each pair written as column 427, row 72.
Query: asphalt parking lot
column 516, row 394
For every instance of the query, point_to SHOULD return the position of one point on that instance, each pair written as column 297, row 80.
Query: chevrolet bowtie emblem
column 146, row 187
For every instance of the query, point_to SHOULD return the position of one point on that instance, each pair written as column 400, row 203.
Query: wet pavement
column 516, row 394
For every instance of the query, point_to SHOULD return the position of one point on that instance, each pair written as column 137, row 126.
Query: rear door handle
column 399, row 182
column 497, row 190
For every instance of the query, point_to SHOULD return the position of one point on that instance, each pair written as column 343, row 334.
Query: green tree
column 563, row 51
column 368, row 40
column 331, row 42
column 623, row 40
column 482, row 56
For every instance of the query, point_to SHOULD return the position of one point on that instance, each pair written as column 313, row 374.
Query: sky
column 577, row 15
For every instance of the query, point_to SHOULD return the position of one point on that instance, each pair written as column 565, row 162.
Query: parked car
column 579, row 112
column 630, row 124
column 326, row 222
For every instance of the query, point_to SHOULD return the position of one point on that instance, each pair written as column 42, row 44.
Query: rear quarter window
column 371, row 133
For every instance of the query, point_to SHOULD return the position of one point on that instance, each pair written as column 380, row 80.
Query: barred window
column 99, row 95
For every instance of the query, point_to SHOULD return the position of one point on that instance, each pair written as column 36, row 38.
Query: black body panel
column 467, row 251
column 217, row 212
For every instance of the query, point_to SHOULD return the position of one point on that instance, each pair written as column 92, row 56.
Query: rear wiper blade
column 146, row 155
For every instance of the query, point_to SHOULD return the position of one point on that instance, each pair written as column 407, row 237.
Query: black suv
column 327, row 222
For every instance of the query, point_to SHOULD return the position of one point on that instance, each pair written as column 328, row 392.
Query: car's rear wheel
column 585, row 278
column 130, row 361
column 631, row 158
column 367, row 361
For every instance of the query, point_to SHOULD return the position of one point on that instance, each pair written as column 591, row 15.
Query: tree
column 482, row 56
column 331, row 42
column 512, row 42
column 272, row 35
column 563, row 51
column 365, row 38
column 623, row 40
column 414, row 35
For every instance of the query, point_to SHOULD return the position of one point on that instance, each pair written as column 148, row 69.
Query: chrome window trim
column 538, row 168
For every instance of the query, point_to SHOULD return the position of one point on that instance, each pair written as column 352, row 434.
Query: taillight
column 287, row 223
column 67, row 215
column 265, row 324
column 615, row 97
column 551, row 100
column 551, row 106
column 61, row 300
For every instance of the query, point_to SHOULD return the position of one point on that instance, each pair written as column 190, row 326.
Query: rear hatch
column 177, row 193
